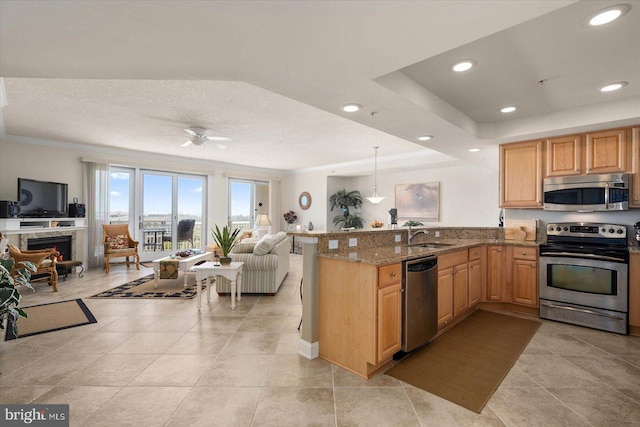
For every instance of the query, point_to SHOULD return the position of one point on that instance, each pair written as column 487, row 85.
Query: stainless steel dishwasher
column 420, row 302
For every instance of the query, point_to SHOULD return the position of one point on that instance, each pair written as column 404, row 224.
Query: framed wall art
column 419, row 202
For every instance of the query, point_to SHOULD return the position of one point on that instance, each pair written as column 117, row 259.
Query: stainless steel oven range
column 584, row 270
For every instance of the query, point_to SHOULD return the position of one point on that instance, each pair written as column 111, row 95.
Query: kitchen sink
column 431, row 245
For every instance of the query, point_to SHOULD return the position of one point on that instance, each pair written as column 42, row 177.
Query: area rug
column 144, row 288
column 51, row 317
column 467, row 364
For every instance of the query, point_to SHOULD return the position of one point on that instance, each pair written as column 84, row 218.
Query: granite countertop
column 402, row 252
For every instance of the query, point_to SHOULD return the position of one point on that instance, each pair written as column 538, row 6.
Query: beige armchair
column 44, row 259
column 119, row 243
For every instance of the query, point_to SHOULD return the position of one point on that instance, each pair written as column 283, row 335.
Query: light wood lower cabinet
column 524, row 275
column 477, row 262
column 496, row 257
column 460, row 283
column 634, row 293
column 389, row 321
column 359, row 314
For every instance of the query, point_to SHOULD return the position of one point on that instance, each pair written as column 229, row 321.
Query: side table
column 233, row 272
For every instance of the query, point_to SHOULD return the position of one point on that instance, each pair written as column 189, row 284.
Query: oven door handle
column 577, row 255
column 581, row 310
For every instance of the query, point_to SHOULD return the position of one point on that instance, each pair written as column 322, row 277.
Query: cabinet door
column 389, row 321
column 525, row 282
column 475, row 282
column 564, row 155
column 445, row 296
column 634, row 290
column 606, row 151
column 635, row 168
column 521, row 175
column 460, row 289
column 495, row 273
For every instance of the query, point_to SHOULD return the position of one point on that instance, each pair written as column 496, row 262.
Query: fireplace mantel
column 41, row 225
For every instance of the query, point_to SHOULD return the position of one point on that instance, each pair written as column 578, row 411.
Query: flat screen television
column 42, row 199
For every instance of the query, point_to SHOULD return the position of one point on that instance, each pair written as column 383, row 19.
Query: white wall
column 62, row 163
column 468, row 194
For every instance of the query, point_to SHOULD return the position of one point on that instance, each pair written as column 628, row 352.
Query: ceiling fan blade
column 221, row 146
column 191, row 132
column 186, row 144
column 218, row 138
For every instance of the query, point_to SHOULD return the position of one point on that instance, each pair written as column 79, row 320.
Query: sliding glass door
column 165, row 211
column 247, row 199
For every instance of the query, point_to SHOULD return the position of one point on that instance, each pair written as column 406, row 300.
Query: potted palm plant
column 9, row 295
column 344, row 199
column 225, row 239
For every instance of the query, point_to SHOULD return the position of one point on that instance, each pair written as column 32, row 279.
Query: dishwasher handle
column 422, row 265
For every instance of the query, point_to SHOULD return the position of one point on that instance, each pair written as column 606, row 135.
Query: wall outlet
column 437, row 234
column 353, row 241
column 398, row 238
column 353, row 255
column 333, row 244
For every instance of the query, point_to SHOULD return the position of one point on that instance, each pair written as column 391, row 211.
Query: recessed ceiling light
column 425, row 137
column 463, row 65
column 510, row 109
column 351, row 108
column 613, row 86
column 474, row 150
column 607, row 15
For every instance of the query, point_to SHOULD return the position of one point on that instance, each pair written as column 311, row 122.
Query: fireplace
column 61, row 243
column 27, row 240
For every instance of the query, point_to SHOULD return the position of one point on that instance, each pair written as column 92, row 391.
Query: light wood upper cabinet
column 521, row 175
column 606, row 152
column 635, row 168
column 564, row 155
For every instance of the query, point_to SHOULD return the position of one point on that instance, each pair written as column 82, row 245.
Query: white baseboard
column 307, row 349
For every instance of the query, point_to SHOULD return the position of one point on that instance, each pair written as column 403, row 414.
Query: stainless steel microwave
column 587, row 193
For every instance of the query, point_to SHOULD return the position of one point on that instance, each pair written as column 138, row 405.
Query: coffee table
column 232, row 271
column 184, row 264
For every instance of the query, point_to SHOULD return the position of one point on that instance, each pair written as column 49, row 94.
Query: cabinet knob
column 524, row 253
column 393, row 274
column 533, row 266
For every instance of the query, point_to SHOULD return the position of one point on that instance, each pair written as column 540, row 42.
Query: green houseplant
column 9, row 295
column 225, row 239
column 344, row 199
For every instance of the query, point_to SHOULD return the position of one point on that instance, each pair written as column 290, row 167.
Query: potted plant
column 225, row 240
column 9, row 295
column 344, row 199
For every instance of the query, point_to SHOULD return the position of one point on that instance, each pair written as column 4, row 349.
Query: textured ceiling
column 272, row 74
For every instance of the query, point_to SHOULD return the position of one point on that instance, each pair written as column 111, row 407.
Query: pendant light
column 375, row 199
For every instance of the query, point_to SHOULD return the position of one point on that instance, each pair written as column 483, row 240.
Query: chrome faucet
column 411, row 237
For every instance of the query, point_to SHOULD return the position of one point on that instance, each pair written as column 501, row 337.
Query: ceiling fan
column 198, row 136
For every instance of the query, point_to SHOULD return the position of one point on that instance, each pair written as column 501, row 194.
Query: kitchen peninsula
column 352, row 317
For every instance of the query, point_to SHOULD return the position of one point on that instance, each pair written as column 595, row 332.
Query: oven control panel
column 582, row 229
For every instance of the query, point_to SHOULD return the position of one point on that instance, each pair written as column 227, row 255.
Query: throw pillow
column 119, row 241
column 243, row 248
column 264, row 246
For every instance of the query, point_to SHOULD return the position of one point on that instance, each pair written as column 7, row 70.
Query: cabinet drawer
column 475, row 253
column 389, row 275
column 528, row 253
column 449, row 260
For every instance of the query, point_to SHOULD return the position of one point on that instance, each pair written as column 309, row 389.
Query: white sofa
column 266, row 263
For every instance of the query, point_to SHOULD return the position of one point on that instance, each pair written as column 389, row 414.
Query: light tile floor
column 160, row 363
